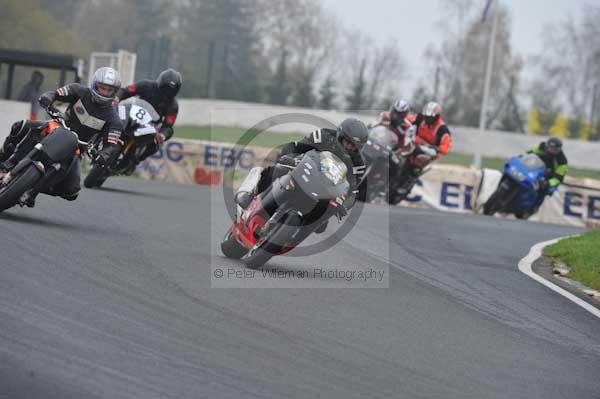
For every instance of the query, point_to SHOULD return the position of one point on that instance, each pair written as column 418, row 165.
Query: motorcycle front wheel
column 96, row 177
column 261, row 253
column 16, row 187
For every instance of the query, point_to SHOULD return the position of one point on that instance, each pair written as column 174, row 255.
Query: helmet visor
column 553, row 149
column 105, row 90
column 430, row 120
column 350, row 145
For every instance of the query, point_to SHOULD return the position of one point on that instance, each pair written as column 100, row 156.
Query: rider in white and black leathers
column 345, row 142
column 159, row 93
column 89, row 112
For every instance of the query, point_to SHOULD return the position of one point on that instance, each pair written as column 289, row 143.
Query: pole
column 486, row 87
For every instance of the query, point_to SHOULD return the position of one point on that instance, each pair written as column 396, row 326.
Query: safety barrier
column 445, row 187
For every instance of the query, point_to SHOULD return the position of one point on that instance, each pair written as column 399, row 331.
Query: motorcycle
column 44, row 165
column 413, row 155
column 517, row 192
column 306, row 193
column 378, row 153
column 139, row 119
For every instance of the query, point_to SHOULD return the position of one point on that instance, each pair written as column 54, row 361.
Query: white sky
column 416, row 22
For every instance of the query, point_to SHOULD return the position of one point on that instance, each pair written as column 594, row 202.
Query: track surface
column 109, row 297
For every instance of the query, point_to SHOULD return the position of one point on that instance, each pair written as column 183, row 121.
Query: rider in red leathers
column 431, row 132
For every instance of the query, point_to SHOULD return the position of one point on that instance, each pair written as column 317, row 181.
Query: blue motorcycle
column 517, row 192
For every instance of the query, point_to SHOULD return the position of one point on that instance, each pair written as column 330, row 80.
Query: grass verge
column 274, row 139
column 582, row 255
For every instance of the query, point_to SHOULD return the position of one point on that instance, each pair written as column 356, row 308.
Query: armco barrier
column 445, row 187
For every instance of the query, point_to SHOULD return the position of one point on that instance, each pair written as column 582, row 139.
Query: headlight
column 333, row 170
column 517, row 174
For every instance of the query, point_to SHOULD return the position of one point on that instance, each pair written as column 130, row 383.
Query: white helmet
column 105, row 85
column 432, row 112
column 399, row 105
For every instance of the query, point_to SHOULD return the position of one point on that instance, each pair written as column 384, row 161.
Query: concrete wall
column 199, row 112
column 11, row 111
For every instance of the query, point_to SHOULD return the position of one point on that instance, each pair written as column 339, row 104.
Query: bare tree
column 569, row 68
column 461, row 61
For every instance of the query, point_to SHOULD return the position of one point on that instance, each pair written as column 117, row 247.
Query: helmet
column 399, row 110
column 169, row 83
column 352, row 134
column 431, row 111
column 553, row 146
column 105, row 84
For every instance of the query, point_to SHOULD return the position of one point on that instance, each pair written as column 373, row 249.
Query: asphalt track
column 110, row 297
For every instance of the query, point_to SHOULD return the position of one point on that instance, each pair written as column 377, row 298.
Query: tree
column 461, row 60
column 569, row 71
column 327, row 93
column 23, row 25
column 357, row 98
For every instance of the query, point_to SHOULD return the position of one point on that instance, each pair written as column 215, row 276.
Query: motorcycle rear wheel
column 231, row 248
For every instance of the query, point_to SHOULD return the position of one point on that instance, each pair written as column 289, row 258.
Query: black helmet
column 553, row 146
column 353, row 132
column 169, row 83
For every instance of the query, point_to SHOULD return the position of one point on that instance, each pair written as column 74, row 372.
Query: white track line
column 525, row 267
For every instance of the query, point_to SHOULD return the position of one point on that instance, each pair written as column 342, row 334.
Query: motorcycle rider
column 557, row 167
column 345, row 142
column 396, row 119
column 431, row 130
column 160, row 93
column 89, row 112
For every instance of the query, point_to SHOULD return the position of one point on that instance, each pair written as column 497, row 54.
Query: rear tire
column 231, row 248
column 96, row 177
column 16, row 187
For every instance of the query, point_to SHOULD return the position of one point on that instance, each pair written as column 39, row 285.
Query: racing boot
column 247, row 190
column 28, row 198
column 321, row 229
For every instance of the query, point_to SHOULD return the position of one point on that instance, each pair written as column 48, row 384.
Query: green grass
column 233, row 135
column 582, row 255
column 273, row 139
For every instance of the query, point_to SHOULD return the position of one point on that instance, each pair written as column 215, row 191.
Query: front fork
column 33, row 159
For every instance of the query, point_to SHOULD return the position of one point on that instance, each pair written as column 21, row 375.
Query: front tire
column 500, row 199
column 16, row 187
column 96, row 177
column 258, row 255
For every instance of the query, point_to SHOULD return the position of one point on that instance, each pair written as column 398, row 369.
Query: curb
column 525, row 267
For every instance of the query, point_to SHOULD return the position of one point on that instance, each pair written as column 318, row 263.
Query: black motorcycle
column 44, row 165
column 378, row 153
column 309, row 190
column 139, row 119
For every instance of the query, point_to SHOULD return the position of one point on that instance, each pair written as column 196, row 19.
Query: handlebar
column 60, row 118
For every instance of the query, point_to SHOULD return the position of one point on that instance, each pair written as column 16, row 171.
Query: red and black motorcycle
column 415, row 156
column 297, row 202
column 44, row 165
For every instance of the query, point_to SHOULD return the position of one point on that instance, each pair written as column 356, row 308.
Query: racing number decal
column 140, row 113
